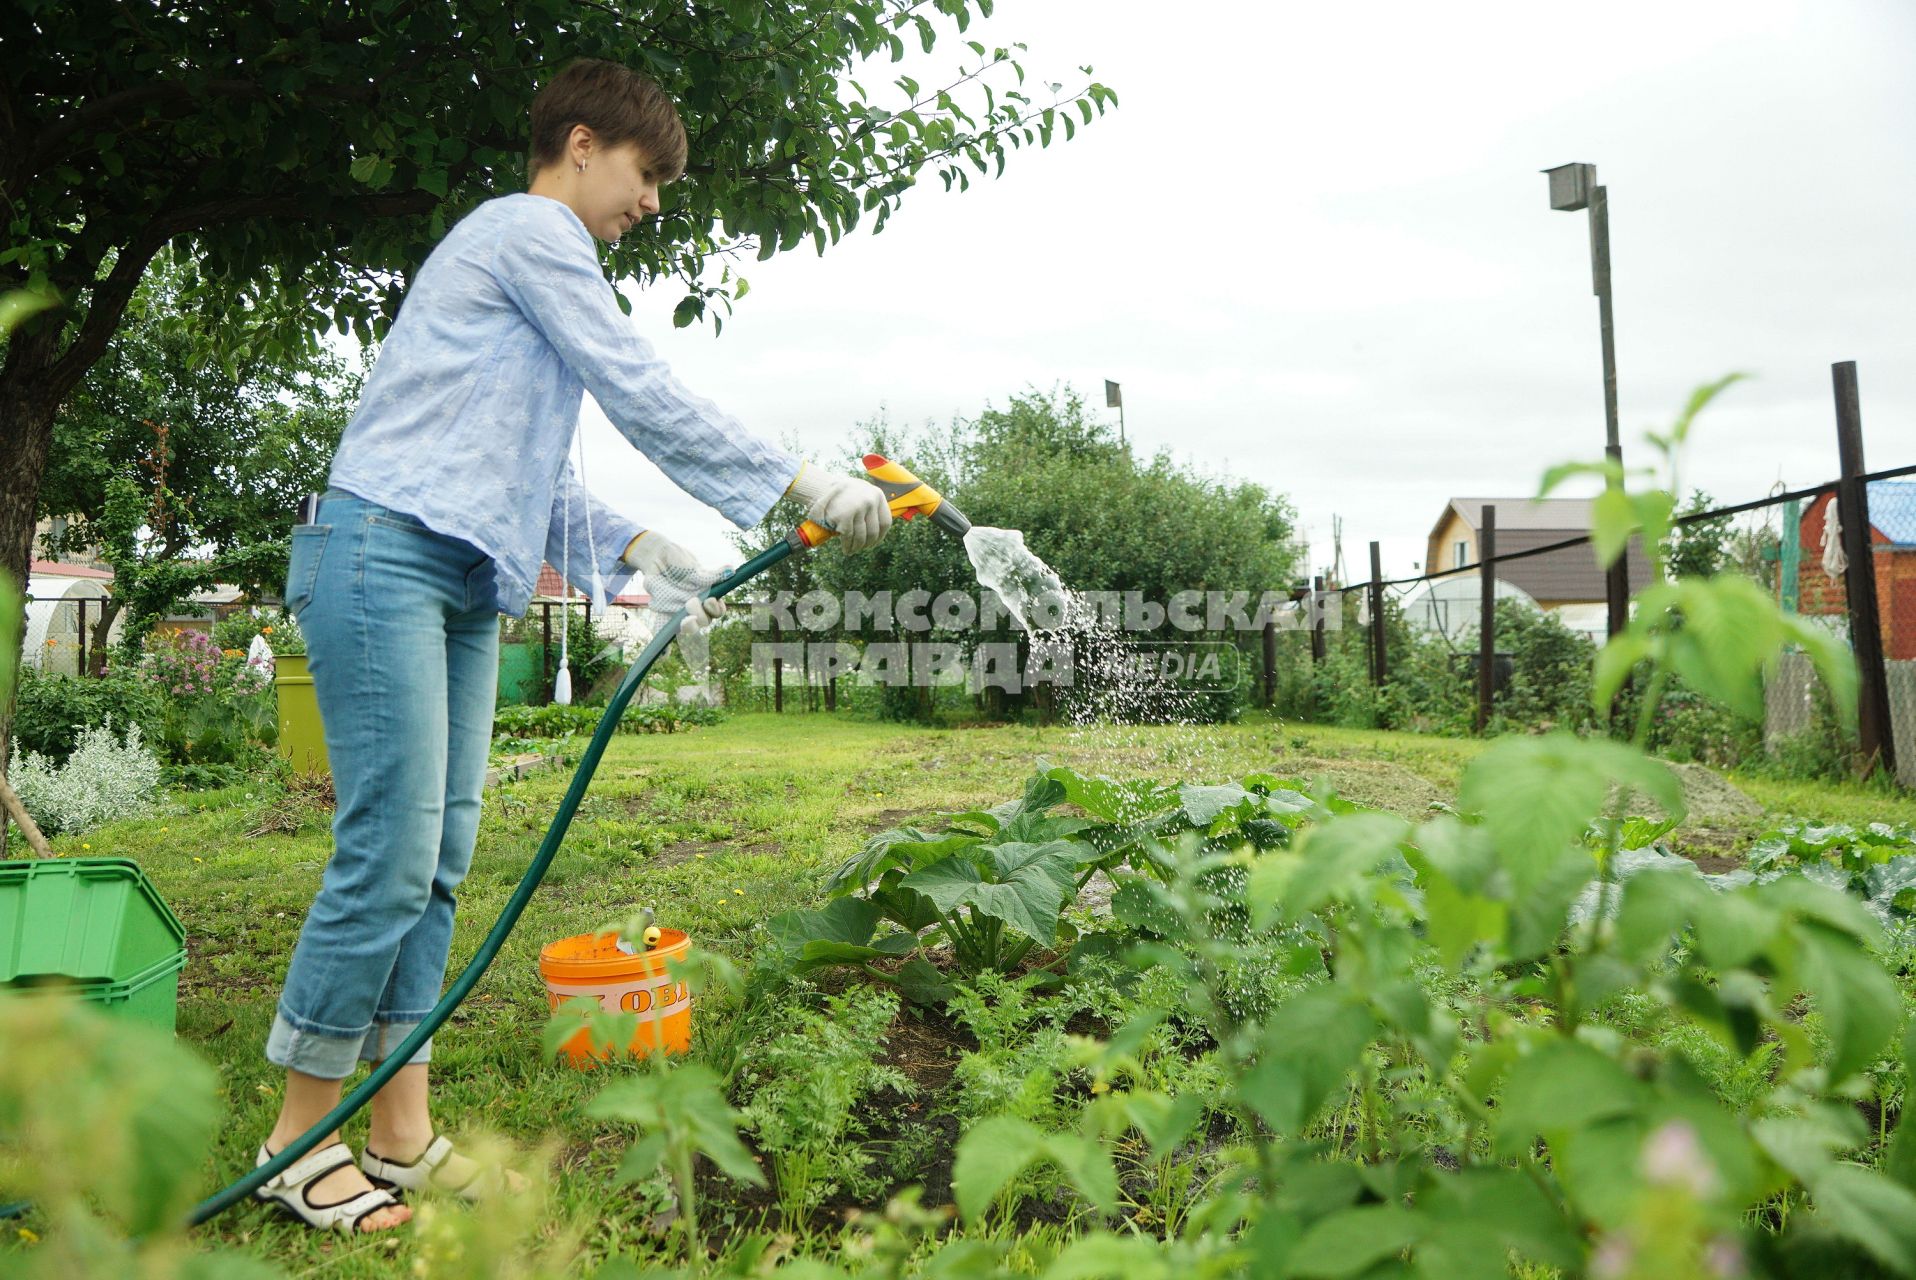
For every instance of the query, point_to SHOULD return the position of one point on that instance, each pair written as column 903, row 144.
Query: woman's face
column 617, row 189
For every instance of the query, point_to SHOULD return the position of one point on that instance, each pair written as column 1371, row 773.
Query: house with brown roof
column 1567, row 581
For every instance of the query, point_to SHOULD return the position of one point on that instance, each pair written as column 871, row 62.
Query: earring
column 581, row 166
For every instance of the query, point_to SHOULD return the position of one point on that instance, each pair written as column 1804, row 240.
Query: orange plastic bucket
column 592, row 964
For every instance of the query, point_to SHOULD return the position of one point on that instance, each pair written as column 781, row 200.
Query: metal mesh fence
column 1792, row 544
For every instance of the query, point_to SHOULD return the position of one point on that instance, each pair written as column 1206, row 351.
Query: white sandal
column 291, row 1187
column 421, row 1174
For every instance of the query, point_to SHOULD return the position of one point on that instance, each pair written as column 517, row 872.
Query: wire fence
column 1804, row 547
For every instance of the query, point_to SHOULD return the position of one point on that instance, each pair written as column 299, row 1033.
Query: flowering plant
column 182, row 662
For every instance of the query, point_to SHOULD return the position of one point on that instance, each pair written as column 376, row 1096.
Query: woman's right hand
column 856, row 510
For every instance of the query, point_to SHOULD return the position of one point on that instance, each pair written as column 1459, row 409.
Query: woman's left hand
column 674, row 578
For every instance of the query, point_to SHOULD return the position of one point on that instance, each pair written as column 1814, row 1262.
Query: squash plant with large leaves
column 993, row 884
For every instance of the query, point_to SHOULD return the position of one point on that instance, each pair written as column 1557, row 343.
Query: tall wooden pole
column 1873, row 726
column 1616, row 580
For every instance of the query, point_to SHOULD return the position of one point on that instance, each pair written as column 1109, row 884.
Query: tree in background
column 1102, row 518
column 306, row 155
column 184, row 475
column 1701, row 548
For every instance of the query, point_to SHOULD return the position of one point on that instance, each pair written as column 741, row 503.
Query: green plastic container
column 95, row 926
column 302, row 735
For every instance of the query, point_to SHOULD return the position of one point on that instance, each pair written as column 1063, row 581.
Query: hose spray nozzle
column 908, row 496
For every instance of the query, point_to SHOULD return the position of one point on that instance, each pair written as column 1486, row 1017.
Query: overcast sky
column 1313, row 245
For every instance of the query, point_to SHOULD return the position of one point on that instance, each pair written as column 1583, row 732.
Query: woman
column 449, row 488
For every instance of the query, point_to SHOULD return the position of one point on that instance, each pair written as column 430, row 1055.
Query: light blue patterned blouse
column 467, row 418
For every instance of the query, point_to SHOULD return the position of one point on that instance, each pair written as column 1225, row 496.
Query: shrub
column 236, row 631
column 105, row 778
column 1550, row 668
column 51, row 711
column 556, row 721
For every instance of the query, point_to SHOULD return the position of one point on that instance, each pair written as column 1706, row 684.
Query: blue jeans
column 402, row 639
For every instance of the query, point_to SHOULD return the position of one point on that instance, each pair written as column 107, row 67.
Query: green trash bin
column 94, row 926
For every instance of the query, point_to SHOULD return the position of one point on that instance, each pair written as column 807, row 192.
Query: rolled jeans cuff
column 334, row 1057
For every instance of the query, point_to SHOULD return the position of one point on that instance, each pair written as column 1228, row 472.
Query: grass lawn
column 718, row 829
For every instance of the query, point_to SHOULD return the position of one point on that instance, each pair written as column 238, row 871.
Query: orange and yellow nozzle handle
column 908, row 495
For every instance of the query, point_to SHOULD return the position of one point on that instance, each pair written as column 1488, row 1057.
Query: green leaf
column 899, row 847
column 1110, row 801
column 1203, row 805
column 1513, row 1208
column 1563, row 1086
column 1352, row 1240
column 1311, row 1044
column 1855, row 996
column 1833, row 661
column 1102, row 1256
column 1163, row 1121
column 642, row 1159
column 1145, row 904
column 997, row 1150
column 1332, row 859
column 1612, row 520
column 1609, row 470
column 1539, row 795
column 684, row 1103
column 1613, row 666
column 947, row 883
column 848, row 920
column 574, row 1014
column 1875, row 1213
column 919, row 982
column 1699, row 400
column 1028, row 904
column 1087, row 1166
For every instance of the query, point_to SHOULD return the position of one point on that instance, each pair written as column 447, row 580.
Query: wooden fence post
column 1487, row 618
column 1317, row 619
column 1270, row 662
column 545, row 657
column 1379, row 658
column 1873, row 726
column 778, row 670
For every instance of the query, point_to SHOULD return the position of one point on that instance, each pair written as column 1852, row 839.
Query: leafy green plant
column 803, row 1085
column 994, row 883
column 557, row 721
column 681, row 1113
column 51, row 711
column 1023, row 1056
column 104, row 1126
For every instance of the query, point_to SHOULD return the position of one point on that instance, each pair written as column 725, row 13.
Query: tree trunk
column 26, row 431
column 98, row 645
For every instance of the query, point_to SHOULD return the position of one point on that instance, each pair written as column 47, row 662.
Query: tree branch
column 10, row 803
column 174, row 96
column 108, row 299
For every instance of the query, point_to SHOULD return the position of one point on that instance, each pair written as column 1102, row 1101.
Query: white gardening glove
column 855, row 510
column 674, row 578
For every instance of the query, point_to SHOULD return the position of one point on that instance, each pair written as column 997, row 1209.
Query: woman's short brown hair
column 618, row 105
